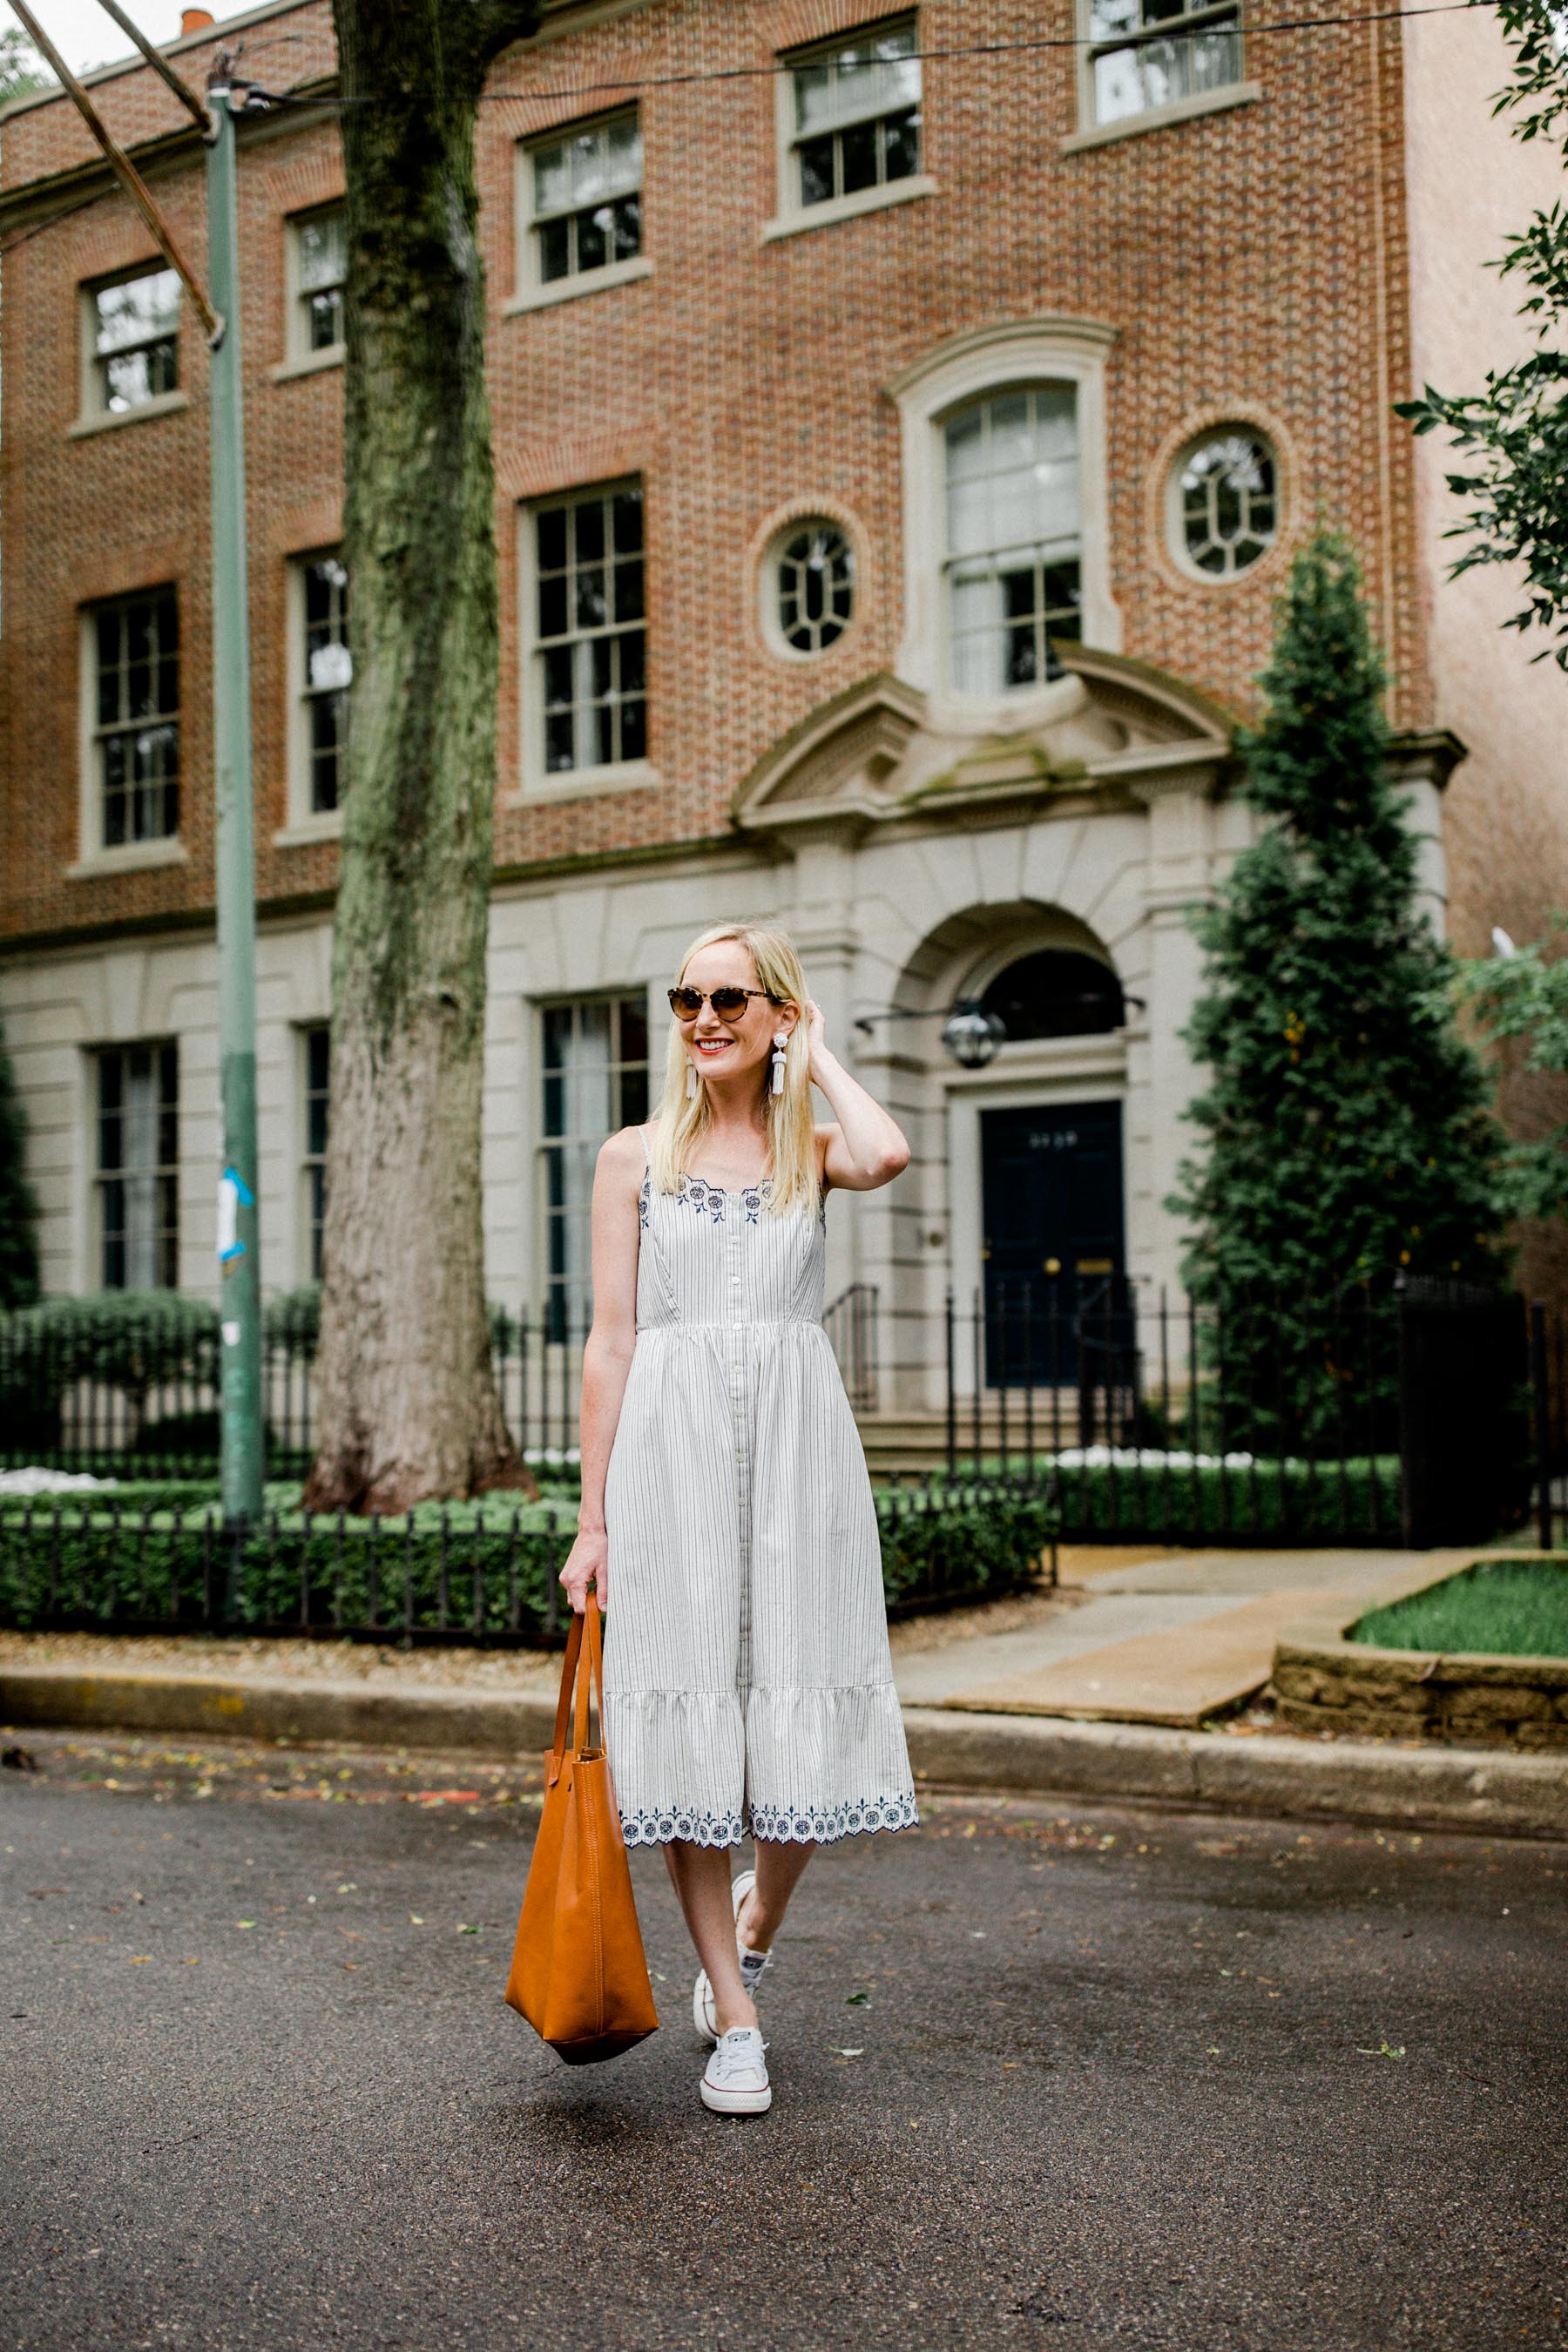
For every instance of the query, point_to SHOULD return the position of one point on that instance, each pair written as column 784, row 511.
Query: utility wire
column 778, row 66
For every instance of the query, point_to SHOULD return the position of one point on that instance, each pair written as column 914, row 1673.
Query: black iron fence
column 130, row 1384
column 1549, row 1422
column 1385, row 1412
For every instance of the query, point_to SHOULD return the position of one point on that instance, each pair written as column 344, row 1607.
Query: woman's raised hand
column 816, row 1034
column 588, row 1565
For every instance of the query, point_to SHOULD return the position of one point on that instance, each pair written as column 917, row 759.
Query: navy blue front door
column 1053, row 1242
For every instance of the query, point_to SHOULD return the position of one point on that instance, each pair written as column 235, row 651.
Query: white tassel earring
column 691, row 1080
column 781, row 1040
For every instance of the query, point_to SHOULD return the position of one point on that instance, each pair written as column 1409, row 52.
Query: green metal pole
column 239, row 1239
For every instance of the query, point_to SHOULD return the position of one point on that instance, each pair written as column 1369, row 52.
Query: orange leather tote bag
column 578, row 1972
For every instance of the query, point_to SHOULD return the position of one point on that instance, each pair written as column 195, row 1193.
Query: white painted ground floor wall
column 909, row 870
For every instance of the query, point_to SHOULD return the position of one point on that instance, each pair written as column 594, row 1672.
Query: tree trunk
column 406, row 1400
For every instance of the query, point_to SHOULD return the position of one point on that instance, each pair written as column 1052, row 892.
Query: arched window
column 1056, row 992
column 1011, row 540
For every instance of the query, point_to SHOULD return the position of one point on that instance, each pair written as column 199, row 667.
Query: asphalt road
column 1119, row 2079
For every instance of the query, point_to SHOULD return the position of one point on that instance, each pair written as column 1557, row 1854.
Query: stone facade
column 1242, row 262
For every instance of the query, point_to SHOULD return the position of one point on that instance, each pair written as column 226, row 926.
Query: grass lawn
column 1514, row 1608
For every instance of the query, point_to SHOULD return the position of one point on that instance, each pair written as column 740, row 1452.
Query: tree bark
column 406, row 1400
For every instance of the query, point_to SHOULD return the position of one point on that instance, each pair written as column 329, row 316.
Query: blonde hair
column 684, row 1120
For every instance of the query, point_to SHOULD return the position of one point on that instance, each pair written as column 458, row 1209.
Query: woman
column 727, row 1515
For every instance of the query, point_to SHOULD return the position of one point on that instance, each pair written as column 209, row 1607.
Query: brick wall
column 1251, row 261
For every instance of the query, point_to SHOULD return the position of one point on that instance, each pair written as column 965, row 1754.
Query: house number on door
column 1060, row 1138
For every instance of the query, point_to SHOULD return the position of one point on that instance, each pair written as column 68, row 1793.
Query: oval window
column 1225, row 502
column 813, row 585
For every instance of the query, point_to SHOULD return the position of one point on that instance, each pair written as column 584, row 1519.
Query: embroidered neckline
column 727, row 1191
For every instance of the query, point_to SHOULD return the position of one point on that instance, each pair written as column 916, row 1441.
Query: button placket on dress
column 740, row 1418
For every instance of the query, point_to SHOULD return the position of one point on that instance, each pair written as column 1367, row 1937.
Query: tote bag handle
column 579, row 1678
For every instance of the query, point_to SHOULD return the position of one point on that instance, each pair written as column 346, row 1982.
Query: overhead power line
column 936, row 56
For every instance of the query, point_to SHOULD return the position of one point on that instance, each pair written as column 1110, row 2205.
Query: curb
column 1504, row 1794
column 317, row 1714
column 1266, row 1772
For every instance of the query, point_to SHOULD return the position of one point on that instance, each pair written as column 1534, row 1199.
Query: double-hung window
column 134, row 651
column 1011, row 554
column 138, row 1166
column 584, row 199
column 590, row 629
column 325, row 673
column 318, row 265
column 134, row 341
column 596, row 1068
column 857, row 115
column 1149, row 54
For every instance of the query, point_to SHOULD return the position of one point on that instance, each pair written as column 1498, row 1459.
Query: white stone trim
column 313, row 364
column 573, row 289
column 843, row 209
column 580, row 783
column 321, row 825
column 1159, row 117
column 105, row 420
column 130, row 858
column 1048, row 350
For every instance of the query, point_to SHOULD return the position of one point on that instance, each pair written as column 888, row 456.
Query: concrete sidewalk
column 1101, row 1689
column 1157, row 1635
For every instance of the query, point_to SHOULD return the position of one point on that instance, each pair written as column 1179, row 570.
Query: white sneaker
column 735, row 2081
column 754, row 1966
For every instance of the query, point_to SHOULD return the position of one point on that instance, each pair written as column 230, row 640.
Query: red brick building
column 902, row 421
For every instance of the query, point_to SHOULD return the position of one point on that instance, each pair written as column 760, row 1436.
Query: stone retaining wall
column 1325, row 1683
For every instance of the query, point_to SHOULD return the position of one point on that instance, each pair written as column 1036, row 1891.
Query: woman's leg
column 700, row 1874
column 779, row 1865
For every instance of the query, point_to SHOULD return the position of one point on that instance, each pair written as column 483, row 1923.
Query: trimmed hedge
column 972, row 1541
column 483, row 1572
column 1324, row 1502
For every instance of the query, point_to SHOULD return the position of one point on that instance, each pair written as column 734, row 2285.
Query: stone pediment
column 877, row 751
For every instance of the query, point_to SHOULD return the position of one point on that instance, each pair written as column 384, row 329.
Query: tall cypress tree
column 1346, row 1132
column 19, row 1203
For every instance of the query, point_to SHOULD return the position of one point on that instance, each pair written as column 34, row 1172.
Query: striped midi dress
column 748, row 1686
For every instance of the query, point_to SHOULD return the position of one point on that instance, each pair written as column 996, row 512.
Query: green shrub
column 1272, row 1502
column 970, row 1541
column 1295, row 1501
column 133, row 1340
column 486, row 1570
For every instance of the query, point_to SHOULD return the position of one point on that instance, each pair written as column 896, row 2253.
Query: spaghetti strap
column 647, row 1153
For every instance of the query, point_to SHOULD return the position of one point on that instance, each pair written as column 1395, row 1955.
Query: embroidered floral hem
column 850, row 1819
column 778, row 1823
column 692, row 1829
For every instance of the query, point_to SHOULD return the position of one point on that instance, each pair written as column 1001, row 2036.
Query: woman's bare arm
column 864, row 1147
column 607, row 1352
